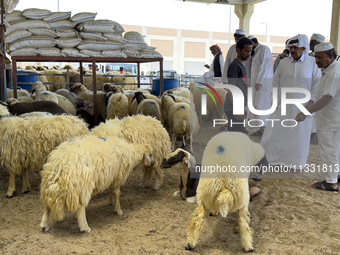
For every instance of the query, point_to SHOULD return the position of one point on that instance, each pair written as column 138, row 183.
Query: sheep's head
column 78, row 87
column 38, row 86
column 177, row 157
column 139, row 96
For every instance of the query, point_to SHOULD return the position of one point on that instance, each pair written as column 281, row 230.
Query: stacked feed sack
column 40, row 32
column 136, row 47
column 94, row 42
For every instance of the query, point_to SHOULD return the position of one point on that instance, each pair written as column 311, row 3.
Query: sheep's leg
column 82, row 223
column 117, row 209
column 196, row 226
column 11, row 186
column 183, row 141
column 44, row 220
column 26, row 187
column 245, row 231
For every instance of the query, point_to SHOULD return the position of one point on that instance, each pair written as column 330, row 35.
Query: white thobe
column 261, row 73
column 231, row 55
column 289, row 146
column 328, row 122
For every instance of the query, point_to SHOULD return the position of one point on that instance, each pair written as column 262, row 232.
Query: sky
column 277, row 17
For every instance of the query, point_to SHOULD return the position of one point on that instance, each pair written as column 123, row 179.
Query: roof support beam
column 335, row 39
column 244, row 12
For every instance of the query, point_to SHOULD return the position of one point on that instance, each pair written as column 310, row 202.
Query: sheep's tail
column 225, row 200
column 196, row 225
column 185, row 126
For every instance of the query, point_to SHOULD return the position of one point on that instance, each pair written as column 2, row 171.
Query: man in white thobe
column 327, row 109
column 232, row 54
column 261, row 83
column 289, row 146
column 314, row 40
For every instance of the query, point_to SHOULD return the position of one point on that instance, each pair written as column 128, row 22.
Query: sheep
column 4, row 111
column 140, row 129
column 34, row 114
column 117, row 106
column 180, row 91
column 26, row 142
column 39, row 106
column 183, row 161
column 107, row 87
column 225, row 191
column 43, row 95
column 121, row 80
column 149, row 107
column 83, row 167
column 83, row 93
column 22, row 99
column 20, row 92
column 134, row 103
column 78, row 103
column 182, row 121
column 213, row 111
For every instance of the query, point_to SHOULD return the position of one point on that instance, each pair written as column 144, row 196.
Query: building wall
column 186, row 51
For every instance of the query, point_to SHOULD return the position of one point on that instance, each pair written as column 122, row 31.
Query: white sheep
column 182, row 121
column 149, row 107
column 134, row 103
column 26, row 142
column 226, row 190
column 118, row 106
column 42, row 94
column 183, row 161
column 141, row 129
column 20, row 92
column 4, row 111
column 83, row 167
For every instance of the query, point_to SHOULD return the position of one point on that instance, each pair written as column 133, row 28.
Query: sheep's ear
column 147, row 160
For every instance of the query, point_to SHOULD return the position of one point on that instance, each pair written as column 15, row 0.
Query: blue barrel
column 168, row 84
column 26, row 80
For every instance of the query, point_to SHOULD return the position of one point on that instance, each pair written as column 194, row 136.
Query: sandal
column 257, row 133
column 324, row 186
column 251, row 197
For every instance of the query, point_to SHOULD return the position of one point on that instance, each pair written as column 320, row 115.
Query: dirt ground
column 289, row 217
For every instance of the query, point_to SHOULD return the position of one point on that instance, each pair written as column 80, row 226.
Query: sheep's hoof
column 25, row 191
column 119, row 213
column 191, row 200
column 88, row 230
column 45, row 229
column 251, row 249
column 189, row 247
column 177, row 193
column 10, row 196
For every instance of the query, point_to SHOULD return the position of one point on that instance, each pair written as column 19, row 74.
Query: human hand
column 300, row 117
column 257, row 86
